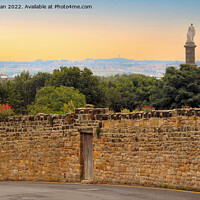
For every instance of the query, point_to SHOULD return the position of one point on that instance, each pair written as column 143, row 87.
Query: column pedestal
column 190, row 53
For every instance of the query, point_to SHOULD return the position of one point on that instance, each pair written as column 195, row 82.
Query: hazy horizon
column 92, row 59
column 101, row 67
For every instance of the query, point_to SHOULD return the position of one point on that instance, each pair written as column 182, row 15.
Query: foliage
column 51, row 118
column 3, row 92
column 51, row 100
column 83, row 80
column 125, row 111
column 136, row 110
column 70, row 107
column 129, row 91
column 44, row 92
column 144, row 108
column 98, row 131
column 178, row 87
column 70, row 118
column 5, row 111
column 21, row 92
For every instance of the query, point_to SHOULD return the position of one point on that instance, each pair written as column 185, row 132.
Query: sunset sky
column 135, row 29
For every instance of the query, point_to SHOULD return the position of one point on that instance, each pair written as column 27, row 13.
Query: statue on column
column 190, row 47
column 190, row 34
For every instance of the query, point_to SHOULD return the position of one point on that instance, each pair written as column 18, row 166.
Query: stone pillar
column 190, row 53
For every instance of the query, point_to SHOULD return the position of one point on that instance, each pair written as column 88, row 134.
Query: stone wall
column 156, row 148
column 155, row 151
column 31, row 149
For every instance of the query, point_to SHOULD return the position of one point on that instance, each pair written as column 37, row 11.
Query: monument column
column 190, row 47
column 190, row 53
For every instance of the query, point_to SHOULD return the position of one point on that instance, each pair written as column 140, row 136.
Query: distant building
column 4, row 77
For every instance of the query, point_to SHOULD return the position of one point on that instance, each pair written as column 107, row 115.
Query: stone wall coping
column 105, row 114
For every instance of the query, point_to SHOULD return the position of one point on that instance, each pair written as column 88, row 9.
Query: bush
column 5, row 111
column 144, row 108
column 52, row 100
column 125, row 111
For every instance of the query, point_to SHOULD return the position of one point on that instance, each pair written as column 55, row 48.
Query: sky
column 133, row 29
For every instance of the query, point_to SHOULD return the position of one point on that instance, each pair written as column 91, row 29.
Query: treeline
column 46, row 92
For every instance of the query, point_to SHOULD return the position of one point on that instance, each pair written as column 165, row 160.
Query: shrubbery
column 5, row 111
column 45, row 92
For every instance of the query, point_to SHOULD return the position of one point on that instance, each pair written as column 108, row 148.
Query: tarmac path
column 59, row 191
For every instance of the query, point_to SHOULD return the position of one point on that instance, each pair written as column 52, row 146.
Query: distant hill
column 100, row 67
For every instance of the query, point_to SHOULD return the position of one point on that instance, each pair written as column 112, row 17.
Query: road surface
column 57, row 191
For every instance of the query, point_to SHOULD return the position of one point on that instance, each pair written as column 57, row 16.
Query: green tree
column 50, row 99
column 15, row 99
column 3, row 92
column 38, row 81
column 83, row 80
column 178, row 87
column 64, row 76
column 124, row 96
column 129, row 91
column 22, row 90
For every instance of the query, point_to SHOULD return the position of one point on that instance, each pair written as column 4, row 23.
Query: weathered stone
column 190, row 53
column 138, row 148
